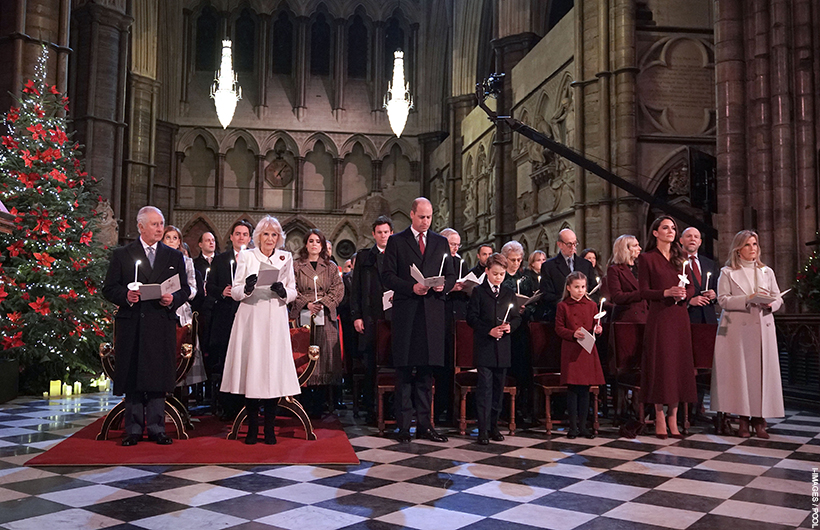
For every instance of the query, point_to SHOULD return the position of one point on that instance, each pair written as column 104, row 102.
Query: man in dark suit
column 419, row 342
column 484, row 251
column 203, row 304
column 366, row 307
column 554, row 273
column 218, row 288
column 700, row 269
column 145, row 339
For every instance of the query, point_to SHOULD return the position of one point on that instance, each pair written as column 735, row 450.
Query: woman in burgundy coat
column 667, row 366
column 580, row 369
column 621, row 283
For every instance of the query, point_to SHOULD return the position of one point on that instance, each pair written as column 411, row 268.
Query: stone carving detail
column 107, row 230
column 676, row 87
column 442, row 205
column 679, row 179
column 119, row 5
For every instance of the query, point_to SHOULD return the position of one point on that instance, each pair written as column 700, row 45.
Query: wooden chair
column 546, row 359
column 386, row 374
column 305, row 355
column 175, row 410
column 466, row 380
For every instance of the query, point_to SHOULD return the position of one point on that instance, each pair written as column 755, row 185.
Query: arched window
column 393, row 40
column 283, row 45
column 320, row 46
column 357, row 46
column 206, row 45
column 244, row 37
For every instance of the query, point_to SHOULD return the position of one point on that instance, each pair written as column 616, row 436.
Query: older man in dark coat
column 419, row 341
column 145, row 341
column 366, row 305
column 554, row 274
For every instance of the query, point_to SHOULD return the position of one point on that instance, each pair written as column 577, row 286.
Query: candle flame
column 138, row 263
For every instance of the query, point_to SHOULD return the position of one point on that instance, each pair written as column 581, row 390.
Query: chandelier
column 398, row 101
column 225, row 91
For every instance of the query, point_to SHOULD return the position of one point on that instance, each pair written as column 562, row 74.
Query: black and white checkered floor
column 526, row 482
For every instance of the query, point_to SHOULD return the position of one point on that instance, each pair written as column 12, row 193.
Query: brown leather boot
column 743, row 427
column 759, row 425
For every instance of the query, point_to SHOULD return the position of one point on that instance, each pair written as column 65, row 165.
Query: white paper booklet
column 387, row 300
column 304, row 317
column 268, row 275
column 154, row 291
column 764, row 297
column 433, row 281
column 588, row 342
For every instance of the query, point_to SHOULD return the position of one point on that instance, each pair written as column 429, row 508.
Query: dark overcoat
column 704, row 314
column 145, row 333
column 554, row 274
column 418, row 321
column 366, row 296
column 224, row 308
column 484, row 312
column 623, row 292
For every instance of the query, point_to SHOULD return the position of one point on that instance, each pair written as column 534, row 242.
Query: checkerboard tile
column 527, row 481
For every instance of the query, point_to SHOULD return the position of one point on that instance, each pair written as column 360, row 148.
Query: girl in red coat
column 579, row 369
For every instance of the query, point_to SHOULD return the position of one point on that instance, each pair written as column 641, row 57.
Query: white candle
column 539, row 279
column 136, row 270
column 683, row 268
column 708, row 275
column 518, row 286
column 601, row 308
column 206, row 274
column 461, row 269
column 233, row 270
column 315, row 290
column 508, row 313
column 441, row 269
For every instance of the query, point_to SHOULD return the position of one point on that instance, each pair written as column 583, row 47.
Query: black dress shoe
column 130, row 440
column 572, row 435
column 483, row 439
column 496, row 436
column 404, row 437
column 589, row 435
column 432, row 435
column 161, row 439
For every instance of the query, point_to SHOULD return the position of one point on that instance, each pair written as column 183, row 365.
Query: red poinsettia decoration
column 3, row 294
column 15, row 318
column 10, row 143
column 41, row 306
column 86, row 238
column 44, row 259
column 30, row 88
column 58, row 136
column 13, row 115
column 14, row 341
column 50, row 154
column 37, row 131
column 57, row 175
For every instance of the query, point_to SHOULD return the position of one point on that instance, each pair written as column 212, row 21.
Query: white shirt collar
column 416, row 234
column 146, row 246
column 380, row 249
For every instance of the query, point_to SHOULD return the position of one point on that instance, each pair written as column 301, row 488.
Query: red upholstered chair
column 466, row 380
column 546, row 360
column 386, row 374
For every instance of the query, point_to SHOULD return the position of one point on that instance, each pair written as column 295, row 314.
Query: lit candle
column 601, row 307
column 315, row 290
column 66, row 389
column 45, row 394
column 55, row 387
column 78, row 387
column 233, row 270
column 508, row 313
column 136, row 270
column 441, row 269
column 461, row 269
column 518, row 286
column 206, row 274
column 708, row 275
column 683, row 268
column 539, row 279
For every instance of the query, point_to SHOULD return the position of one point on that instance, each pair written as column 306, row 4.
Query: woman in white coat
column 259, row 362
column 746, row 370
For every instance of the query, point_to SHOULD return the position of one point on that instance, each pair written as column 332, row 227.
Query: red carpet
column 206, row 445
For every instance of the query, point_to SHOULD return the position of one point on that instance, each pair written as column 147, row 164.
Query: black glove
column 279, row 289
column 250, row 283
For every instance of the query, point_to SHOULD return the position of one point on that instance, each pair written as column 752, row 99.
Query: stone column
column 508, row 51
column 604, row 131
column 299, row 183
column 428, row 143
column 377, row 65
column 338, row 164
column 730, row 77
column 219, row 181
column 100, row 38
column 260, row 182
column 460, row 107
column 339, row 68
column 262, row 66
column 759, row 213
column 179, row 159
column 188, row 52
column 302, row 66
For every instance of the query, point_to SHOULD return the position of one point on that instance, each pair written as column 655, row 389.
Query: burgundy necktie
column 421, row 243
column 695, row 269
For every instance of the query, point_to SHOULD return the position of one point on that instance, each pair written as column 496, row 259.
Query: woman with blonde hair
column 622, row 282
column 746, row 369
column 533, row 270
column 259, row 362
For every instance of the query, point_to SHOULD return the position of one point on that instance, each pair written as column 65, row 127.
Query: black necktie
column 495, row 291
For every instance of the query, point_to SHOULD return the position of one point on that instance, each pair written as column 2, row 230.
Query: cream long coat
column 259, row 362
column 746, row 369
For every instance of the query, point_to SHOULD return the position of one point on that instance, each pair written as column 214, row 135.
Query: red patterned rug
column 207, row 445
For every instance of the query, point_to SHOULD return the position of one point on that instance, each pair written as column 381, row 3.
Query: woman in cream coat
column 259, row 362
column 746, row 370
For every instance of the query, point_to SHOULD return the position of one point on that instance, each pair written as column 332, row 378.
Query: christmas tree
column 808, row 279
column 52, row 313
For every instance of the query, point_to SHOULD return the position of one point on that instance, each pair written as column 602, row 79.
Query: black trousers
column 489, row 396
column 414, row 393
column 144, row 411
column 578, row 407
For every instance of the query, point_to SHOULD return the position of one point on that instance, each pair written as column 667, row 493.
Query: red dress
column 667, row 364
column 578, row 367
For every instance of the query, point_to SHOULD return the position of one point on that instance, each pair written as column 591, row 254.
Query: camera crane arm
column 492, row 87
